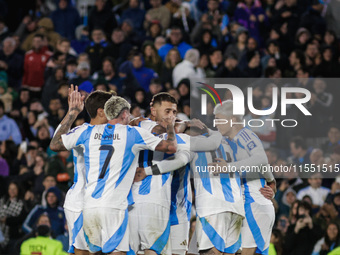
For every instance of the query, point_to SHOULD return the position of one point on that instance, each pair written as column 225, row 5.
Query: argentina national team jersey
column 244, row 145
column 155, row 189
column 181, row 194
column 216, row 193
column 110, row 160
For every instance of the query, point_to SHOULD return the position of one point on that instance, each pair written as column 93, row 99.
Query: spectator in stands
column 135, row 14
column 296, row 62
column 42, row 243
column 84, row 73
column 298, row 149
column 171, row 60
column 96, row 49
column 48, row 182
column 11, row 62
column 64, row 46
column 34, row 66
column 65, row 19
column 46, row 28
column 102, row 17
column 187, row 68
column 151, row 57
column 11, row 216
column 175, row 40
column 229, row 68
column 314, row 190
column 181, row 18
column 239, row 46
column 51, row 86
column 301, row 236
column 61, row 168
column 215, row 60
column 158, row 12
column 330, row 241
column 333, row 140
column 54, row 212
column 285, row 198
column 9, row 128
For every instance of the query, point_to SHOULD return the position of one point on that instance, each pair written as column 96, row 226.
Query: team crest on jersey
column 251, row 145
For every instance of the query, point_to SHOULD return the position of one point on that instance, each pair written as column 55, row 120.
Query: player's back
column 243, row 145
column 216, row 193
column 109, row 156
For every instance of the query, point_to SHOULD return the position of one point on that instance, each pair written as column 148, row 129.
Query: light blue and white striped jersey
column 216, row 193
column 246, row 144
column 181, row 193
column 75, row 195
column 155, row 189
column 110, row 161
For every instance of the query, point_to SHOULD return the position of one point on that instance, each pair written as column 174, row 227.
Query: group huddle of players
column 132, row 191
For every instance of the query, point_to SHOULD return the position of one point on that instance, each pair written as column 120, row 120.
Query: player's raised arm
column 76, row 105
column 169, row 145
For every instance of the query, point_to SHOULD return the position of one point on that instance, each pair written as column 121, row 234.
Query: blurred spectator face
column 230, row 63
column 39, row 161
column 137, row 62
column 62, row 4
column 31, row 118
column 51, row 199
column 272, row 49
column 204, row 61
column 319, row 86
column 100, row 5
column 206, row 37
column 148, row 51
column 183, row 90
column 24, row 96
column 136, row 112
column 59, row 74
column 37, row 43
column 64, row 47
column 43, row 133
column 49, row 182
column 107, row 68
column 290, row 3
column 117, row 36
column 311, row 50
column 242, row 38
column 293, row 59
column 212, row 5
column 255, row 60
column 84, row 73
column 54, row 105
column 101, row 87
column 252, row 44
column 155, row 88
column 174, row 93
column 332, row 231
column 127, row 29
column 8, row 47
column 186, row 110
column 302, row 75
column 44, row 220
column 13, row 191
column 133, row 4
column 327, row 55
column 272, row 63
column 329, row 38
column 303, row 38
column 175, row 36
column 216, row 57
column 315, row 182
column 316, row 156
column 274, row 35
column 159, row 42
column 334, row 135
column 290, row 198
column 97, row 36
column 71, row 68
column 155, row 3
column 294, row 150
column 36, row 106
column 139, row 96
column 83, row 58
column 174, row 57
column 155, row 29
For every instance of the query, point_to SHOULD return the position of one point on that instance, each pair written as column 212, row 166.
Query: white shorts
column 193, row 245
column 106, row 229
column 75, row 229
column 179, row 235
column 221, row 231
column 257, row 226
column 149, row 228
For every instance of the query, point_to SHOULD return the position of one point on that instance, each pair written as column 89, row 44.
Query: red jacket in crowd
column 34, row 68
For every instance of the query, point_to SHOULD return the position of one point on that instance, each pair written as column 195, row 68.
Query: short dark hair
column 41, row 36
column 299, row 142
column 96, row 100
column 57, row 54
column 300, row 55
column 270, row 70
column 163, row 97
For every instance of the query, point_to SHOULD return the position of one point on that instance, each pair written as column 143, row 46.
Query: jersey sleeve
column 71, row 139
column 147, row 125
column 202, row 143
column 144, row 140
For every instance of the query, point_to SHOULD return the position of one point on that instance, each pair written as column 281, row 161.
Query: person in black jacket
column 302, row 236
column 102, row 17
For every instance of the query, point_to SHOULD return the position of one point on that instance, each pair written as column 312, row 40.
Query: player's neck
column 234, row 131
column 97, row 121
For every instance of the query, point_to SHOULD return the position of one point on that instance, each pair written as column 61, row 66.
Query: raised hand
column 76, row 102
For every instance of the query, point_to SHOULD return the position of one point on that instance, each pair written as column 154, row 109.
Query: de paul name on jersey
column 100, row 136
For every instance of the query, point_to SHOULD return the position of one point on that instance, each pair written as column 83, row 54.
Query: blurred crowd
column 139, row 48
